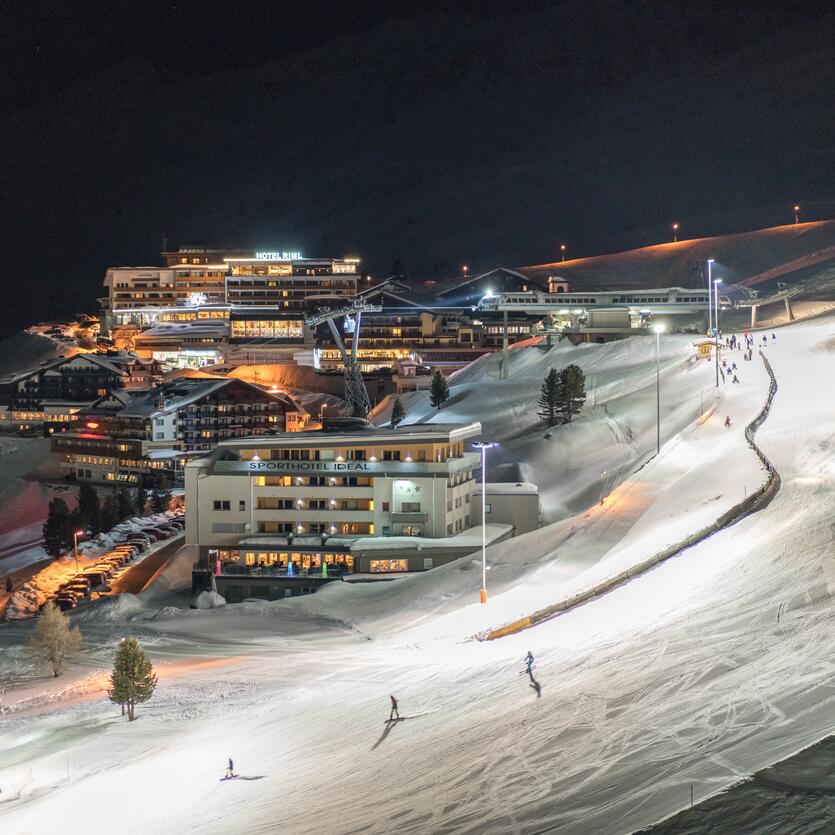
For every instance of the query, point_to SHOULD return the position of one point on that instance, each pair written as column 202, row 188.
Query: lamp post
column 562, row 251
column 797, row 214
column 602, row 473
column 483, row 446
column 675, row 233
column 75, row 535
column 709, row 291
column 716, row 283
column 657, row 329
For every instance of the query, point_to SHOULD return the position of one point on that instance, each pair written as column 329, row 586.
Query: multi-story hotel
column 350, row 494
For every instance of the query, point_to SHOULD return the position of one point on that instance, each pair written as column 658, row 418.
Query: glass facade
column 267, row 329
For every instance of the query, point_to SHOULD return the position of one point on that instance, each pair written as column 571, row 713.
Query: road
column 133, row 579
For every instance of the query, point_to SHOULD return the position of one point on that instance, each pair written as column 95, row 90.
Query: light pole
column 716, row 283
column 797, row 214
column 602, row 473
column 483, row 446
column 709, row 291
column 657, row 329
column 675, row 233
column 562, row 250
column 75, row 535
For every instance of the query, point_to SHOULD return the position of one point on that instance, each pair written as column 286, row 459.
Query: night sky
column 434, row 133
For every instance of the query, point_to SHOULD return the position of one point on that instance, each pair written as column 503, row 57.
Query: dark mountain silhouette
column 436, row 140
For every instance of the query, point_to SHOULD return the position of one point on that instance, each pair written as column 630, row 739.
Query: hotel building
column 349, row 495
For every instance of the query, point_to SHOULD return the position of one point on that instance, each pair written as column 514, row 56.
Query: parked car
column 97, row 577
column 66, row 601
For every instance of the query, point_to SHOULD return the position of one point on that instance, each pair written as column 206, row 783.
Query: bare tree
column 54, row 638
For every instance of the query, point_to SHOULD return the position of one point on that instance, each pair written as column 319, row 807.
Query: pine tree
column 133, row 680
column 110, row 513
column 124, row 505
column 141, row 500
column 398, row 413
column 573, row 395
column 57, row 530
column 88, row 512
column 162, row 495
column 439, row 390
column 549, row 398
column 54, row 638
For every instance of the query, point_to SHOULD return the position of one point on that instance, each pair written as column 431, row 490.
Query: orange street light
column 562, row 250
column 675, row 233
column 797, row 214
column 75, row 535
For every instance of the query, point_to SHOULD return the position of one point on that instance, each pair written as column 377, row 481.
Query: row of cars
column 128, row 548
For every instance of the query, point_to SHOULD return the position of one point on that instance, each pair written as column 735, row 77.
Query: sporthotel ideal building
column 349, row 495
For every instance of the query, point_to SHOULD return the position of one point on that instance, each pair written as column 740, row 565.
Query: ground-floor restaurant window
column 380, row 566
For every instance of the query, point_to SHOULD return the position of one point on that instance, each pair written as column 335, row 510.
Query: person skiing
column 230, row 770
column 773, row 337
column 735, row 379
column 394, row 711
column 529, row 661
column 727, row 420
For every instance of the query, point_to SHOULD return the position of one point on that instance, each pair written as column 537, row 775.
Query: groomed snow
column 710, row 667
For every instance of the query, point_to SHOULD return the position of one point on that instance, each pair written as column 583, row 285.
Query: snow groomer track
column 758, row 500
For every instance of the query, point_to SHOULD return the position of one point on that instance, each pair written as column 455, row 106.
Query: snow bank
column 208, row 600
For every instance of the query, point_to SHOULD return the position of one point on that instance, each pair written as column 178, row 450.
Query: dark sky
column 436, row 133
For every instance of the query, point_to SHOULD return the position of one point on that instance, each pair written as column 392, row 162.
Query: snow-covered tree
column 438, row 390
column 87, row 513
column 549, row 398
column 398, row 413
column 54, row 638
column 573, row 383
column 109, row 515
column 133, row 680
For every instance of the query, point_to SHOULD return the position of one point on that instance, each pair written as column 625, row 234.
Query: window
column 221, row 504
column 241, row 504
column 386, row 507
column 391, row 455
column 427, row 563
column 160, row 422
column 410, row 507
column 381, row 566
column 160, row 436
column 488, row 508
column 421, row 455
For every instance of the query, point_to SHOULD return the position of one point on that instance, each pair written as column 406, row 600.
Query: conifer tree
column 87, row 513
column 162, row 495
column 57, row 528
column 439, row 390
column 398, row 413
column 109, row 515
column 54, row 638
column 573, row 383
column 124, row 505
column 133, row 680
column 549, row 398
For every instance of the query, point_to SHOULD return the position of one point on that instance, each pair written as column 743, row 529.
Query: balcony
column 409, row 518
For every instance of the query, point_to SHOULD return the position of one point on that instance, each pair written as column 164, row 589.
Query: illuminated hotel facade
column 323, row 495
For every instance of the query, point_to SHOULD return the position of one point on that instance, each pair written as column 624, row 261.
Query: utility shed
column 511, row 503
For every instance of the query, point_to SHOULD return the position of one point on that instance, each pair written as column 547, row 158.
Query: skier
column 727, row 420
column 735, row 379
column 529, row 662
column 733, row 367
column 394, row 711
column 773, row 337
column 230, row 770
column 765, row 340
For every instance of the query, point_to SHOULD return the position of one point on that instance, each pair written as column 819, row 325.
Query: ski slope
column 714, row 665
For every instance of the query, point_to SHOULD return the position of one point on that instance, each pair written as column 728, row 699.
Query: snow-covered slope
column 710, row 667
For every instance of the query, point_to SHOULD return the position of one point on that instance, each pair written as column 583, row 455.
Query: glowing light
column 285, row 255
column 91, row 424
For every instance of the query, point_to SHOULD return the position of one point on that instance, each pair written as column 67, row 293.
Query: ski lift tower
column 355, row 391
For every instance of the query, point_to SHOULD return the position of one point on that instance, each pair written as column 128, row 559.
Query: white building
column 313, row 497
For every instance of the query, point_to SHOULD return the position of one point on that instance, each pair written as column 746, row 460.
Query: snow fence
column 759, row 499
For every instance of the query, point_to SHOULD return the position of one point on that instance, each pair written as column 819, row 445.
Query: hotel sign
column 286, row 255
column 414, row 468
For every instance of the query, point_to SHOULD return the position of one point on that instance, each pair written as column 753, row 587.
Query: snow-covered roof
column 519, row 488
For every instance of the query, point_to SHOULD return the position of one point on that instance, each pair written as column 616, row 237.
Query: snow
column 208, row 600
column 712, row 666
column 518, row 489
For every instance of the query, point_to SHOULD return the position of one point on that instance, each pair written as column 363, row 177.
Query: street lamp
column 797, row 214
column 657, row 329
column 75, row 535
column 675, row 233
column 709, row 291
column 465, row 269
column 602, row 473
column 483, row 446
column 562, row 250
column 716, row 283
